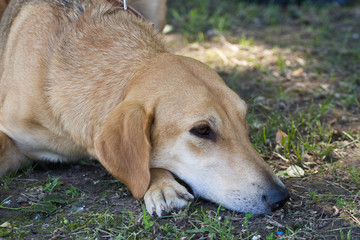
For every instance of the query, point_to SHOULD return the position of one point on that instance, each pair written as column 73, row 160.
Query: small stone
column 21, row 199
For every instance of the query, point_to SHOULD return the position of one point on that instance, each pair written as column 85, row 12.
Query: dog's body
column 84, row 79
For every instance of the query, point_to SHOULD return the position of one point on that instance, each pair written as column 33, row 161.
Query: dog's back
column 68, row 9
column 54, row 57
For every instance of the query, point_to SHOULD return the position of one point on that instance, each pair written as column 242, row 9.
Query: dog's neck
column 96, row 57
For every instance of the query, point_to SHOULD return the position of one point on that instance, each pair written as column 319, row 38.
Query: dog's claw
column 172, row 206
column 187, row 196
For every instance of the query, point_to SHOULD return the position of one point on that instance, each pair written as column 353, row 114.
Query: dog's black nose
column 276, row 198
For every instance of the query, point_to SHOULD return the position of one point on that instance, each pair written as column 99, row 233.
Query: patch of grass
column 305, row 134
column 347, row 237
column 53, row 184
column 246, row 41
column 146, row 219
column 10, row 177
column 169, row 230
column 198, row 18
column 213, row 225
column 355, row 174
column 314, row 196
column 75, row 192
column 7, row 179
column 281, row 64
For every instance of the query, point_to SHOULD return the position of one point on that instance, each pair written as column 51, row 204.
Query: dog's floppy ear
column 123, row 146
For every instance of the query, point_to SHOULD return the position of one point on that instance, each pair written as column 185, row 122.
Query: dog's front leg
column 165, row 193
column 10, row 156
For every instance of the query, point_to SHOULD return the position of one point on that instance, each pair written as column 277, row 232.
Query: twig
column 353, row 217
column 283, row 158
column 336, row 184
column 222, row 56
column 354, row 141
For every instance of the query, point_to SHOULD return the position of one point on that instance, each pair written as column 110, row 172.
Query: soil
column 59, row 201
column 312, row 210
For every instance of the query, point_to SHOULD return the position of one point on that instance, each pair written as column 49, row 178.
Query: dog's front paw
column 165, row 197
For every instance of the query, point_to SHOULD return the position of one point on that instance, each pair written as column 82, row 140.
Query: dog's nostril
column 278, row 205
column 276, row 198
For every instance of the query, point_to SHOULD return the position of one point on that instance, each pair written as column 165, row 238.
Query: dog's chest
column 40, row 144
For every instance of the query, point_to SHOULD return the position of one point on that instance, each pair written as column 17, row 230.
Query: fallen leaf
column 333, row 121
column 55, row 199
column 336, row 212
column 6, row 225
column 279, row 136
column 308, row 158
column 45, row 207
column 295, row 171
column 300, row 61
column 275, row 223
column 298, row 72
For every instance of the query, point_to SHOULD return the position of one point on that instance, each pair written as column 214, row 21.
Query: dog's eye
column 203, row 131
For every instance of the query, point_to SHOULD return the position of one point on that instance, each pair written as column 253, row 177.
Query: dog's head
column 179, row 115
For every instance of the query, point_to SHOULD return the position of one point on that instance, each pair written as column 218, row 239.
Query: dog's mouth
column 258, row 203
column 182, row 182
column 269, row 201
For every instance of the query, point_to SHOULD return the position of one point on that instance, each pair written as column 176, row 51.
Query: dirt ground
column 300, row 68
column 312, row 211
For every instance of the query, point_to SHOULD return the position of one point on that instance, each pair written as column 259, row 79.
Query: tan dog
column 84, row 79
column 154, row 10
